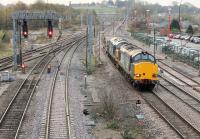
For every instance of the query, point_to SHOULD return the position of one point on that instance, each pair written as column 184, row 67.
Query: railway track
column 12, row 118
column 181, row 126
column 178, row 75
column 177, row 93
column 7, row 62
column 184, row 128
column 174, row 92
column 172, row 71
column 57, row 122
column 182, row 93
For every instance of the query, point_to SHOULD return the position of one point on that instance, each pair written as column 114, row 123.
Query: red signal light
column 50, row 29
column 50, row 34
column 25, row 29
column 25, row 33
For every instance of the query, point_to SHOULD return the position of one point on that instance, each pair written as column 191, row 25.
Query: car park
column 177, row 36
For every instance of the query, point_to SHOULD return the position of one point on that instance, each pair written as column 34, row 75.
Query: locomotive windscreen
column 143, row 57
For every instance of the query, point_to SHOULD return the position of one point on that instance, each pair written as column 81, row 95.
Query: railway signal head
column 50, row 29
column 25, row 29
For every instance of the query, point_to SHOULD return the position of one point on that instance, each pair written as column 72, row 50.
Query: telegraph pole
column 179, row 14
column 154, row 42
column 113, row 27
column 20, row 44
column 147, row 21
column 81, row 20
column 90, row 40
column 86, row 51
column 99, row 45
column 169, row 9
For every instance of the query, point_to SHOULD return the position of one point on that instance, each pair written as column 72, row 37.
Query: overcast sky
column 66, row 2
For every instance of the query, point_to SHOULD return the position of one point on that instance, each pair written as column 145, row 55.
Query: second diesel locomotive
column 138, row 66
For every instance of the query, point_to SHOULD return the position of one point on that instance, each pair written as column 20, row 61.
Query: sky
column 66, row 2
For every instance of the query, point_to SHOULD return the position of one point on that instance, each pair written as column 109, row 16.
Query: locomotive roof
column 130, row 49
column 116, row 41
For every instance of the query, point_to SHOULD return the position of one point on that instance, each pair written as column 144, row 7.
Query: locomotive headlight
column 154, row 75
column 138, row 75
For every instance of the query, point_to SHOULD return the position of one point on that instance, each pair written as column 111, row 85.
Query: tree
column 20, row 6
column 120, row 3
column 110, row 2
column 174, row 26
column 190, row 30
column 174, row 3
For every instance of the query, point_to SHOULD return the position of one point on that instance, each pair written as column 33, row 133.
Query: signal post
column 20, row 27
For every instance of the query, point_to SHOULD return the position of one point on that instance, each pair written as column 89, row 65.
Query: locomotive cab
column 144, row 70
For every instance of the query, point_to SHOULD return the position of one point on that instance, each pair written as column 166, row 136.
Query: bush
column 113, row 125
column 127, row 134
column 5, row 37
column 109, row 107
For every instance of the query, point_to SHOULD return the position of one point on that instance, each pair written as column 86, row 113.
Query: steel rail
column 174, row 111
column 180, row 89
column 51, row 97
column 181, row 128
column 52, row 92
column 6, row 62
column 155, row 109
column 185, row 93
column 26, row 79
column 164, row 118
column 189, row 78
column 67, row 93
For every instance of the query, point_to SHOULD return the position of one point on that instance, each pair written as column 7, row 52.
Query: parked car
column 185, row 51
column 171, row 36
column 192, row 39
column 177, row 48
column 197, row 60
column 177, row 36
column 193, row 53
column 187, row 38
column 182, row 37
column 196, row 40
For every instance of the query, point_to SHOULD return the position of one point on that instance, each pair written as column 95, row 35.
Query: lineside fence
column 178, row 52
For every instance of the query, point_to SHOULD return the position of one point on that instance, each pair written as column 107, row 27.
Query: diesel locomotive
column 138, row 66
